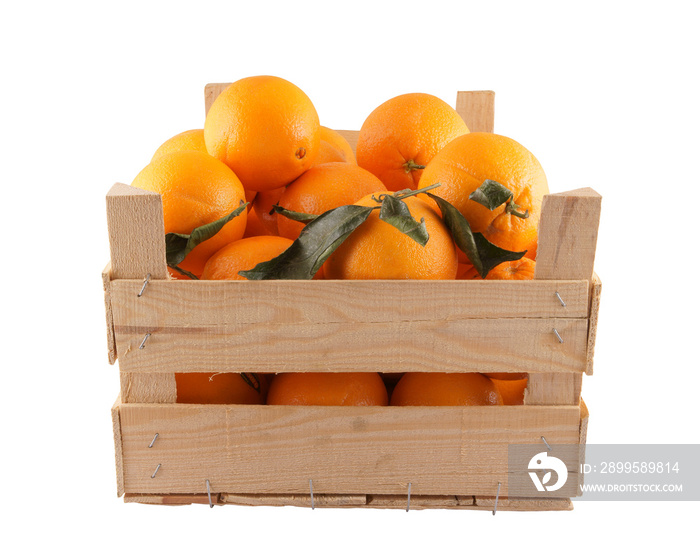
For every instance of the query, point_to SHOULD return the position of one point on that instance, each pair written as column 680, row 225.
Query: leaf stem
column 512, row 208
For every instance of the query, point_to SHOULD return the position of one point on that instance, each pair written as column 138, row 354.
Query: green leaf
column 483, row 254
column 315, row 243
column 492, row 255
column 491, row 194
column 178, row 245
column 395, row 212
column 296, row 216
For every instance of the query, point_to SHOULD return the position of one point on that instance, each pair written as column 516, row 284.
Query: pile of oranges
column 262, row 145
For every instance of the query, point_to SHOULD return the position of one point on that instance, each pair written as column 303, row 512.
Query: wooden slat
column 522, row 504
column 111, row 342
column 321, row 325
column 553, row 389
column 203, row 303
column 470, row 345
column 568, row 232
column 136, row 233
column 596, row 288
column 211, row 92
column 477, row 109
column 152, row 388
column 118, row 450
column 418, row 502
column 372, row 450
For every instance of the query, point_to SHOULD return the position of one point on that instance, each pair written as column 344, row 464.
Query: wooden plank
column 153, row 388
column 568, row 232
column 118, row 450
column 111, row 342
column 280, row 500
column 418, row 502
column 596, row 288
column 201, row 303
column 211, row 92
column 469, row 345
column 477, row 109
column 136, row 233
column 553, row 389
column 321, row 325
column 522, row 504
column 344, row 450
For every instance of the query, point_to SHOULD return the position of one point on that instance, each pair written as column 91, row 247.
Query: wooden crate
column 443, row 457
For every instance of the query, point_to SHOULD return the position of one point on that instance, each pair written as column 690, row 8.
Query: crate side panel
column 203, row 303
column 469, row 345
column 374, row 450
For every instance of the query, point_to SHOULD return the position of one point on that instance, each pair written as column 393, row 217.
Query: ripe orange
column 466, row 162
column 377, row 250
column 218, row 388
column 334, row 147
column 196, row 189
column 512, row 391
column 445, row 389
column 263, row 207
column 189, row 140
column 243, row 254
column 405, row 133
column 327, row 389
column 523, row 269
column 254, row 226
column 266, row 129
column 322, row 188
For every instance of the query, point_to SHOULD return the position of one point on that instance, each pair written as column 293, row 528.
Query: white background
column 604, row 94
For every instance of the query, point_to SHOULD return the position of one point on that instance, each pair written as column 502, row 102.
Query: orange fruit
column 189, row 140
column 264, row 128
column 334, row 147
column 377, row 250
column 243, row 254
column 466, row 162
column 403, row 134
column 263, row 206
column 196, row 189
column 254, row 226
column 523, row 269
column 445, row 389
column 218, row 388
column 512, row 391
column 322, row 188
column 327, row 389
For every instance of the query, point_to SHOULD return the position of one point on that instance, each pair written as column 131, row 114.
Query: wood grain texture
column 553, row 389
column 418, row 502
column 278, row 326
column 596, row 289
column 373, row 450
column 568, row 233
column 477, row 109
column 111, row 342
column 136, row 233
column 351, row 136
column 151, row 388
column 118, row 450
column 469, row 345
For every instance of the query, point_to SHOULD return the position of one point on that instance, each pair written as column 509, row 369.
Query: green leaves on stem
column 483, row 254
column 179, row 245
column 492, row 194
column 315, row 243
